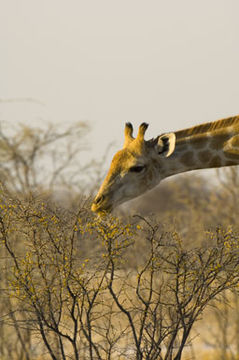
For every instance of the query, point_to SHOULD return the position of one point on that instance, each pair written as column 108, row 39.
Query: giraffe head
column 138, row 167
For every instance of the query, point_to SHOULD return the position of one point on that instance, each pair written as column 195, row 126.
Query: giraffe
column 142, row 164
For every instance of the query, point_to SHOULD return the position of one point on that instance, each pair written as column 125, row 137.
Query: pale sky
column 172, row 64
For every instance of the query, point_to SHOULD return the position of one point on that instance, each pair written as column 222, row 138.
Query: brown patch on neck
column 217, row 142
column 216, row 161
column 187, row 158
column 229, row 163
column 204, row 156
column 232, row 156
column 199, row 142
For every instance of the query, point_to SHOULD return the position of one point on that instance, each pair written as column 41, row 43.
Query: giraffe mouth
column 101, row 207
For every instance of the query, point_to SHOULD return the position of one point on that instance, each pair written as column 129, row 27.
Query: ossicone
column 142, row 129
column 128, row 134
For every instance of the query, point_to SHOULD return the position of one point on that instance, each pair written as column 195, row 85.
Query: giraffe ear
column 166, row 144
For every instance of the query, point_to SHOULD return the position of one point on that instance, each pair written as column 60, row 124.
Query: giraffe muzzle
column 99, row 199
column 100, row 204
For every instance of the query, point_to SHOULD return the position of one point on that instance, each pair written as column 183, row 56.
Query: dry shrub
column 97, row 307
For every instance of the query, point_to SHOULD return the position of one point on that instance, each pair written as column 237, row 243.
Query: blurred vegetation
column 145, row 283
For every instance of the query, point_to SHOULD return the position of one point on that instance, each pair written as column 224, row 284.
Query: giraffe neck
column 205, row 146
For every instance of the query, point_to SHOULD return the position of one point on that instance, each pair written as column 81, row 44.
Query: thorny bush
column 97, row 307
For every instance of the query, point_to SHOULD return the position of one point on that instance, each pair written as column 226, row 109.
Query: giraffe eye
column 137, row 168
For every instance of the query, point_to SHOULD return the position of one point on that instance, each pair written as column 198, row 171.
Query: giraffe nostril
column 99, row 199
